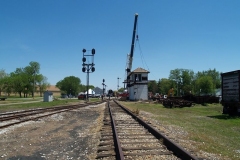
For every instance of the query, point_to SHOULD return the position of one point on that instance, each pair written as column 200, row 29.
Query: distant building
column 90, row 92
column 56, row 91
column 98, row 90
column 218, row 92
column 52, row 88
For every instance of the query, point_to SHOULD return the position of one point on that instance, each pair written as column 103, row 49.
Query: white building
column 138, row 89
column 90, row 92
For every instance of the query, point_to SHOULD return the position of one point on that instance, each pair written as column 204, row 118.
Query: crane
column 130, row 56
column 129, row 60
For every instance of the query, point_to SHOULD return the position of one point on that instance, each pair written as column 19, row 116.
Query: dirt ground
column 62, row 136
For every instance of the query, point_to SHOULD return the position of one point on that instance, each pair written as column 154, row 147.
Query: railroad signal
column 88, row 67
column 103, row 86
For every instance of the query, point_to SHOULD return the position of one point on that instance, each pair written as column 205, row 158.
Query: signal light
column 93, row 69
column 93, row 51
column 84, row 59
column 84, row 50
column 83, row 69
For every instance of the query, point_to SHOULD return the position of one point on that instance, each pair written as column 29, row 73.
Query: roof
column 48, row 93
column 140, row 70
column 53, row 88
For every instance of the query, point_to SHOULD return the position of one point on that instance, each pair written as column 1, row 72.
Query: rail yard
column 85, row 131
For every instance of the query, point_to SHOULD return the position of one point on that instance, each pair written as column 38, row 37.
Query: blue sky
column 188, row 34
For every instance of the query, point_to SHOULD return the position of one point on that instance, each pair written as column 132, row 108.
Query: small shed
column 48, row 96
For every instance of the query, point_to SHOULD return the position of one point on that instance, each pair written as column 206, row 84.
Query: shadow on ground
column 224, row 116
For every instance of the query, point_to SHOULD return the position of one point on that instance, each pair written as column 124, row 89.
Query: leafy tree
column 3, row 76
column 19, row 81
column 69, row 85
column 82, row 88
column 159, row 86
column 215, row 75
column 186, row 84
column 32, row 71
column 42, row 83
column 182, row 80
column 7, row 85
column 165, row 84
column 91, row 87
column 25, row 80
column 205, row 85
column 153, row 87
column 176, row 76
column 120, row 89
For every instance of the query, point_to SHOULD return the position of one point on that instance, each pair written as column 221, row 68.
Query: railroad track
column 17, row 117
column 125, row 136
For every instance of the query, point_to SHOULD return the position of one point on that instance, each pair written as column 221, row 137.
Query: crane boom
column 133, row 42
column 130, row 59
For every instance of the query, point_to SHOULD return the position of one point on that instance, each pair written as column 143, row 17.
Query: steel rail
column 34, row 118
column 118, row 148
column 31, row 110
column 30, row 119
column 39, row 109
column 25, row 114
column 175, row 148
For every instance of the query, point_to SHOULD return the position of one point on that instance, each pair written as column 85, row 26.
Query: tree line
column 185, row 81
column 71, row 85
column 23, row 81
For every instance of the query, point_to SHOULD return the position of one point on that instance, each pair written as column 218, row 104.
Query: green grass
column 17, row 100
column 212, row 131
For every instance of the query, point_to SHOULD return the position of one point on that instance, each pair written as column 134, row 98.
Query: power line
column 142, row 57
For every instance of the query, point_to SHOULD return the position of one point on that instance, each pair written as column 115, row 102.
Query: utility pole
column 103, row 88
column 106, row 88
column 34, row 80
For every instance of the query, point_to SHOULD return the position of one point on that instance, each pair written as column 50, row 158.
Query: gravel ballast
column 69, row 135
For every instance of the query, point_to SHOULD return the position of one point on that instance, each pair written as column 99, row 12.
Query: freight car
column 176, row 102
column 230, row 92
column 2, row 98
